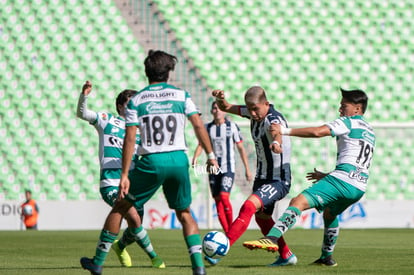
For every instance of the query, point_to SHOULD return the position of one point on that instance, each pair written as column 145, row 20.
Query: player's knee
column 300, row 202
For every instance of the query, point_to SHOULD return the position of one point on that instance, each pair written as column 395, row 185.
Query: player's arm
column 128, row 151
column 245, row 161
column 307, row 132
column 276, row 145
column 82, row 109
column 203, row 139
column 223, row 104
column 197, row 153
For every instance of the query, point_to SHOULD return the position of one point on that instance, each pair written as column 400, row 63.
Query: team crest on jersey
column 104, row 116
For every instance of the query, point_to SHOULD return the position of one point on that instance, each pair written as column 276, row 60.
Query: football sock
column 222, row 215
column 193, row 243
column 143, row 240
column 104, row 245
column 239, row 226
column 265, row 224
column 285, row 222
column 284, row 250
column 330, row 236
column 126, row 239
column 228, row 209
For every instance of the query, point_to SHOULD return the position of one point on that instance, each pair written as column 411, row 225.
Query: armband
column 285, row 131
column 211, row 155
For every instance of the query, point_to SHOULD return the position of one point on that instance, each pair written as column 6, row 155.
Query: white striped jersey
column 270, row 166
column 356, row 142
column 160, row 110
column 222, row 138
column 111, row 131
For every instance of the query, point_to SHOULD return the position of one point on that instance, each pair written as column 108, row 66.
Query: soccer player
column 29, row 211
column 111, row 132
column 273, row 176
column 224, row 134
column 335, row 191
column 159, row 111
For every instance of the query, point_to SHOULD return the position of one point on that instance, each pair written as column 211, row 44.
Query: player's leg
column 240, row 224
column 221, row 186
column 344, row 196
column 330, row 236
column 108, row 235
column 140, row 236
column 215, row 188
column 226, row 186
column 177, row 190
column 285, row 222
column 149, row 182
column 109, row 195
column 192, row 239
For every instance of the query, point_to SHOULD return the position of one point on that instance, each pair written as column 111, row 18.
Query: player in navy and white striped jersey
column 111, row 132
column 224, row 136
column 273, row 175
column 335, row 191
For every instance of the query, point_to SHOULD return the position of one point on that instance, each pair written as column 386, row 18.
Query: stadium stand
column 299, row 51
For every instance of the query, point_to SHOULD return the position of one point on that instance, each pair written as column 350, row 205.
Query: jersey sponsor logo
column 155, row 107
column 357, row 175
column 159, row 95
column 368, row 137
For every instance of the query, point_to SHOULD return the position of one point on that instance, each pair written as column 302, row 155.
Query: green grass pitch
column 369, row 251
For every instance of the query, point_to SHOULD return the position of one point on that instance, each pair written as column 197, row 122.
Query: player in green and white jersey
column 335, row 191
column 111, row 132
column 160, row 112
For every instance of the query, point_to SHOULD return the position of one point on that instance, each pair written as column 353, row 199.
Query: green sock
column 104, row 245
column 126, row 239
column 143, row 240
column 330, row 237
column 285, row 222
column 194, row 249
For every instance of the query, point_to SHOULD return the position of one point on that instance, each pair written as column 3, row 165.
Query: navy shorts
column 222, row 182
column 269, row 192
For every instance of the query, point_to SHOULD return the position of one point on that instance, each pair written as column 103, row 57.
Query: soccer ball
column 216, row 244
column 27, row 210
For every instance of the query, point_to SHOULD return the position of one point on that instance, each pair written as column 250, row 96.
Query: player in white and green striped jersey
column 335, row 191
column 111, row 132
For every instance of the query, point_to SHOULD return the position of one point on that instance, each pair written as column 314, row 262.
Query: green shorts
column 169, row 170
column 109, row 195
column 332, row 193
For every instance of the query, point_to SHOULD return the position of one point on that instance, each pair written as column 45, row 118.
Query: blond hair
column 255, row 94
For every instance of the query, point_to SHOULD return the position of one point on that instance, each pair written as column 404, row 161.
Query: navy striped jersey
column 270, row 166
column 223, row 137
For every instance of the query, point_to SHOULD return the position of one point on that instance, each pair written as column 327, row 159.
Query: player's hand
column 276, row 148
column 193, row 162
column 218, row 94
column 87, row 88
column 212, row 166
column 123, row 187
column 275, row 129
column 248, row 175
column 315, row 175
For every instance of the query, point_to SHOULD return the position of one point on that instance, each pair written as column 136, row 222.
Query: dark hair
column 212, row 104
column 123, row 97
column 356, row 97
column 158, row 65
